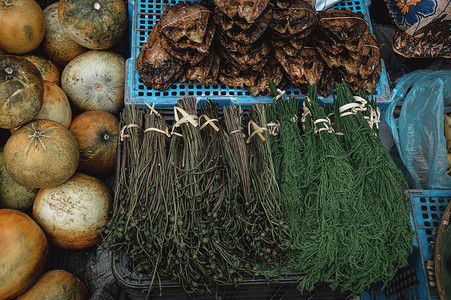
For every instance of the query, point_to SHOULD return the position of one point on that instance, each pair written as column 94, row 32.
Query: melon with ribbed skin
column 12, row 194
column 21, row 91
column 96, row 133
column 41, row 154
column 56, row 284
column 56, row 44
column 22, row 26
column 95, row 81
column 23, row 252
column 71, row 213
column 48, row 69
column 56, row 106
column 97, row 25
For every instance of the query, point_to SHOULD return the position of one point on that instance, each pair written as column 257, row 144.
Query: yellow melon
column 56, row 106
column 12, row 194
column 23, row 252
column 41, row 154
column 48, row 69
column 22, row 26
column 56, row 284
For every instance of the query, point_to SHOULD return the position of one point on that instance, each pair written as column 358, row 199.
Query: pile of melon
column 23, row 256
column 61, row 89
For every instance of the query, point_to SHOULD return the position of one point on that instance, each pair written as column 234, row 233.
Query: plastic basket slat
column 145, row 14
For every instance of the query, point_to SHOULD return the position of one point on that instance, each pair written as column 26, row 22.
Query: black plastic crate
column 283, row 287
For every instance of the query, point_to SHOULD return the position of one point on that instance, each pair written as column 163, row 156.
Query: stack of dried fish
column 345, row 43
column 244, row 45
column 179, row 47
column 156, row 67
column 293, row 21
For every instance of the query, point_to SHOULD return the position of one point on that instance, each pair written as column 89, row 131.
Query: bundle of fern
column 265, row 234
column 117, row 232
column 220, row 256
column 269, row 230
column 384, row 190
column 330, row 242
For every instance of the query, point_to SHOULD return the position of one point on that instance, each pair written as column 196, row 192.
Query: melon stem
column 98, row 87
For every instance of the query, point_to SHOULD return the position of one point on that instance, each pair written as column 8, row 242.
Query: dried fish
column 249, row 10
column 154, row 64
column 185, row 20
column 297, row 19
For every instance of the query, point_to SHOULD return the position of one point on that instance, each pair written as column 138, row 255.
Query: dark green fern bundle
column 292, row 149
column 384, row 198
column 329, row 111
column 330, row 242
column 291, row 168
column 371, row 113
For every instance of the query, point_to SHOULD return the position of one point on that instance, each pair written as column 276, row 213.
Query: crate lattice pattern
column 414, row 281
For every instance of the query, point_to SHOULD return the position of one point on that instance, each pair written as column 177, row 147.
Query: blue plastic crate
column 144, row 14
column 416, row 281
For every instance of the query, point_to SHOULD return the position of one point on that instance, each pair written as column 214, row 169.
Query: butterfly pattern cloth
column 423, row 27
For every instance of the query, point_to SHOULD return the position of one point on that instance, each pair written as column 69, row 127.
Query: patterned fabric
column 423, row 27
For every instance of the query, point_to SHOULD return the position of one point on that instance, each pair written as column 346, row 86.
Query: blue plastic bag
column 419, row 131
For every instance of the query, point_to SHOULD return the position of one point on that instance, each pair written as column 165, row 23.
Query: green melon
column 94, row 24
column 56, row 44
column 21, row 91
